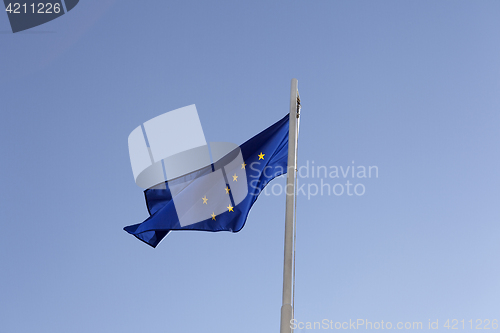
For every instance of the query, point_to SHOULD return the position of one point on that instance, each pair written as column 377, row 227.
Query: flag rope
column 295, row 208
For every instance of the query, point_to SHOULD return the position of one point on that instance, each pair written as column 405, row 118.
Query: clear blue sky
column 410, row 87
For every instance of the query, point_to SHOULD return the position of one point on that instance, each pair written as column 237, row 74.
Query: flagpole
column 286, row 308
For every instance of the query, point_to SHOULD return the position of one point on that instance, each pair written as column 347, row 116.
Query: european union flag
column 217, row 197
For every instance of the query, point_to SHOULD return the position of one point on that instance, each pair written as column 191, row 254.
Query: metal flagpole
column 286, row 308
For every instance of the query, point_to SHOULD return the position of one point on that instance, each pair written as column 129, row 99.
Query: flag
column 217, row 197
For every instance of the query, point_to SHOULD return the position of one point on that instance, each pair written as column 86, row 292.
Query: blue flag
column 219, row 196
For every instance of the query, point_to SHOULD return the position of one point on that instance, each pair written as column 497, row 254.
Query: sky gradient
column 410, row 87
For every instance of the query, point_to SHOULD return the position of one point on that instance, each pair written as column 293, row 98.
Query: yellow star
column 243, row 165
column 235, row 178
column 230, row 208
column 205, row 200
column 227, row 190
column 213, row 216
column 261, row 156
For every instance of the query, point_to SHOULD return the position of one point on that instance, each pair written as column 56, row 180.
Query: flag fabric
column 219, row 196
